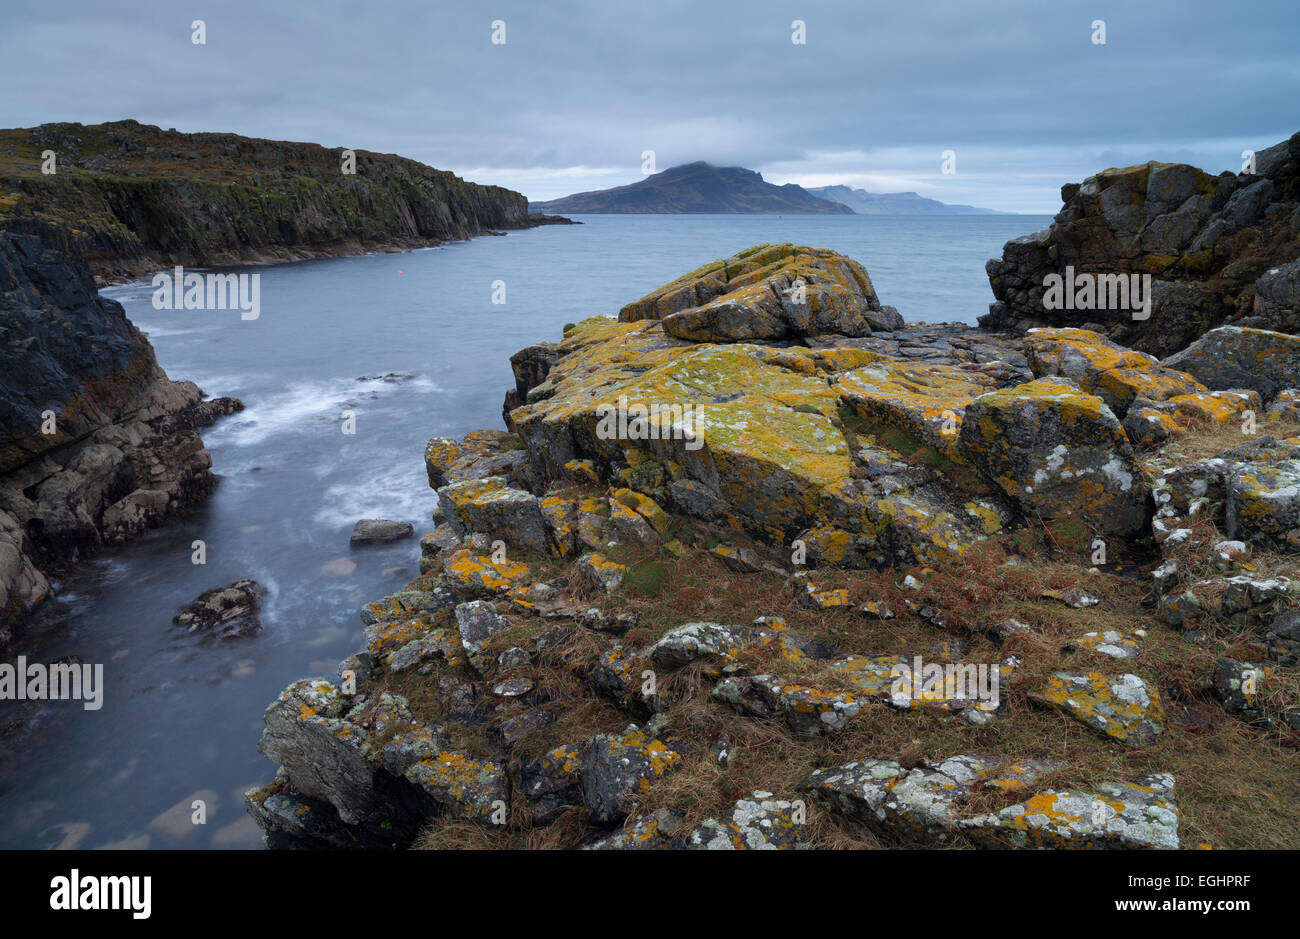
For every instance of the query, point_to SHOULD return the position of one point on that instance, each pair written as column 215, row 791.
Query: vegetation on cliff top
column 146, row 197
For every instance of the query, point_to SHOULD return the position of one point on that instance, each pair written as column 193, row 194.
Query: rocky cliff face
column 96, row 443
column 1216, row 249
column 148, row 198
column 672, row 609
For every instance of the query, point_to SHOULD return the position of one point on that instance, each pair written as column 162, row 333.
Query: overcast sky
column 1016, row 88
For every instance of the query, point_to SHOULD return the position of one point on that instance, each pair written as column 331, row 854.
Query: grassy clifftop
column 144, row 197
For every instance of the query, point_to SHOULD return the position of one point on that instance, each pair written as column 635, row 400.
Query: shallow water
column 181, row 720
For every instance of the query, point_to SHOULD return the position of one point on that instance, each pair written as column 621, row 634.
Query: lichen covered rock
column 1142, row 814
column 1098, row 366
column 918, row 806
column 759, row 823
column 1235, row 357
column 1124, row 707
column 1057, row 453
column 767, row 292
column 618, row 768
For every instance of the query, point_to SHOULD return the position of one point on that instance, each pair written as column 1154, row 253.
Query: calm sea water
column 181, row 720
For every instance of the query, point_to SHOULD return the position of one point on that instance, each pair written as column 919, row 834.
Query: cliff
column 1215, row 249
column 96, row 443
column 698, row 188
column 147, row 198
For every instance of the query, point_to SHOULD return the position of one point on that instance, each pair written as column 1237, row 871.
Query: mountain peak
column 698, row 188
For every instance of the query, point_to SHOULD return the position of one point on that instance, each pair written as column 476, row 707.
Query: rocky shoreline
column 146, row 199
column 1215, row 249
column 97, row 444
column 670, row 605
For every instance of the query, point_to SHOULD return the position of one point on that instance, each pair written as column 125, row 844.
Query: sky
column 1018, row 90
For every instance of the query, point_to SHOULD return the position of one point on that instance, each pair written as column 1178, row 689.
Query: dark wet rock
column 323, row 753
column 291, row 820
column 1283, row 638
column 97, row 444
column 380, row 531
column 225, row 612
column 1209, row 243
column 552, row 783
column 768, row 292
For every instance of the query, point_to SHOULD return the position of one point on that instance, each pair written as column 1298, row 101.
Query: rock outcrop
column 830, row 473
column 1215, row 249
column 768, row 292
column 96, row 443
column 149, row 198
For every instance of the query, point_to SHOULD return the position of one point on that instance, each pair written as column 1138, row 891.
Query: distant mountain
column 893, row 203
column 698, row 188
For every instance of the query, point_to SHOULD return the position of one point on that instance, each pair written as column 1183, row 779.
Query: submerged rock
column 224, row 612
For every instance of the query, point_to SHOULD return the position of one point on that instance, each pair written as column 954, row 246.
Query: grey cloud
column 1017, row 84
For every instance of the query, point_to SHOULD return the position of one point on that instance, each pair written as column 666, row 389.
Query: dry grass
column 1238, row 786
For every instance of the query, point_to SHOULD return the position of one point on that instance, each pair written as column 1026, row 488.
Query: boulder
column 477, row 622
column 1263, row 504
column 617, row 768
column 462, row 786
column 491, row 506
column 1057, row 452
column 767, row 292
column 805, row 709
column 1277, row 297
column 1208, row 244
column 1137, row 815
column 1235, row 357
column 380, row 531
column 1098, row 366
column 917, row 806
column 323, row 753
column 552, row 783
column 1123, row 707
column 760, row 823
